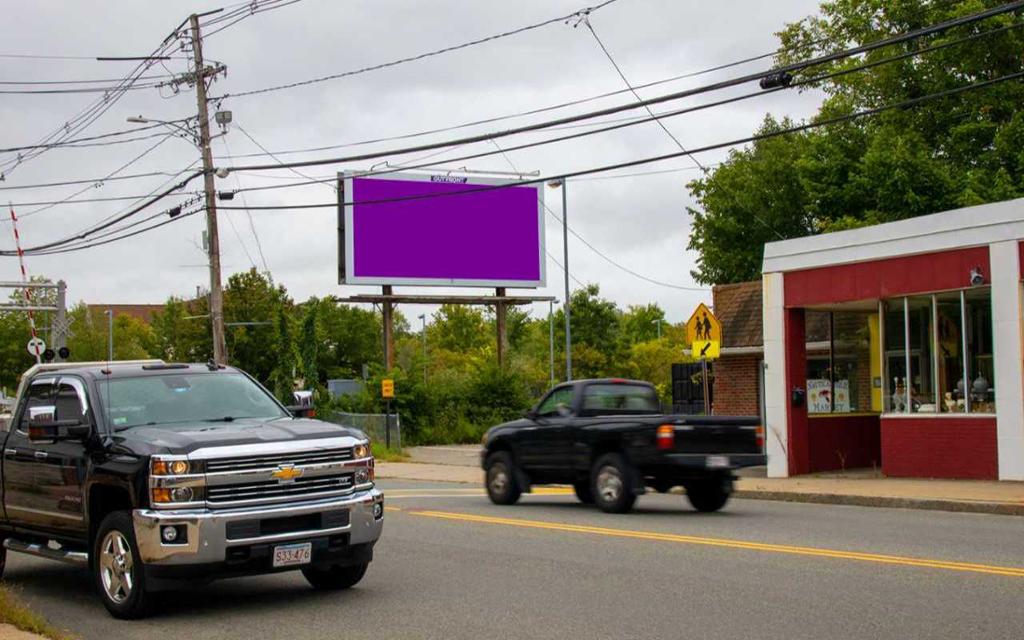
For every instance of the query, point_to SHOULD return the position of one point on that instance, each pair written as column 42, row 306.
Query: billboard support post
column 499, row 321
column 388, row 323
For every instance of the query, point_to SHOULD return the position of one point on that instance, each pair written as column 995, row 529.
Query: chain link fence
column 381, row 428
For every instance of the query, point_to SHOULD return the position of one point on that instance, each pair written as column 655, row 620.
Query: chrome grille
column 299, row 458
column 274, row 490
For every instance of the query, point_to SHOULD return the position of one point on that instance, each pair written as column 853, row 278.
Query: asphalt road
column 452, row 565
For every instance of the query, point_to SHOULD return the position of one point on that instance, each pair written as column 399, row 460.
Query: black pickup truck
column 157, row 475
column 609, row 440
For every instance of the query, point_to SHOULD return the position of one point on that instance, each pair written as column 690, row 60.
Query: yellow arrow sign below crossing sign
column 704, row 333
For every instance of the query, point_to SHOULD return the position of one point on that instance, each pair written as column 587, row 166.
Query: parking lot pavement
column 452, row 565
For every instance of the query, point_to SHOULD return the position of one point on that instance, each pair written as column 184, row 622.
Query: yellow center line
column 1016, row 572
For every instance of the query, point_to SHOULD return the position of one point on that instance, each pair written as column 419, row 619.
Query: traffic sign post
column 704, row 333
column 387, row 391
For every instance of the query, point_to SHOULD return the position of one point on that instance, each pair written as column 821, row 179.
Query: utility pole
column 216, row 292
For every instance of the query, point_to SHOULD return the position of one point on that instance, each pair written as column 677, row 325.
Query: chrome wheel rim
column 609, row 484
column 499, row 479
column 116, row 567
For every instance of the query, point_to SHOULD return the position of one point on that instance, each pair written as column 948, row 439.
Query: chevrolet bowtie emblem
column 286, row 473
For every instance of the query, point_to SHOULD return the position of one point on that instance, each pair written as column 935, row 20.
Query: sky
column 639, row 221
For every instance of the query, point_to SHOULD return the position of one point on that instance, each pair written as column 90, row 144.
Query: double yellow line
column 1014, row 572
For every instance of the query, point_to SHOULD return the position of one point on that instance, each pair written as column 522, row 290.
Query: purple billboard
column 442, row 230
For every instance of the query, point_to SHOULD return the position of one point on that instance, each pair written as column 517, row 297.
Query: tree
column 349, row 338
column 458, row 328
column 182, row 331
column 640, row 323
column 134, row 339
column 957, row 151
column 282, row 376
column 309, row 345
column 250, row 297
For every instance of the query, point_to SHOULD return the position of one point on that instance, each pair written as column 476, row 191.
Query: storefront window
column 951, row 368
column 950, row 356
column 838, row 377
column 922, row 374
column 980, row 366
column 895, row 376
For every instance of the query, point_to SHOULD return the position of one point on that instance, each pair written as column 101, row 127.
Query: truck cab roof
column 116, row 369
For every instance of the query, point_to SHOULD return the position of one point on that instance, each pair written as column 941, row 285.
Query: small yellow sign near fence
column 387, row 388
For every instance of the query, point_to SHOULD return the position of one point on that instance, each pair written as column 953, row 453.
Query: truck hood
column 187, row 437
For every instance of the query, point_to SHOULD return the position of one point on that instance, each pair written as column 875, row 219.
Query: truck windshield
column 189, row 397
column 619, row 398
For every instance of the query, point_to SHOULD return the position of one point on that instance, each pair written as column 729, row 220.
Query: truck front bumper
column 212, row 537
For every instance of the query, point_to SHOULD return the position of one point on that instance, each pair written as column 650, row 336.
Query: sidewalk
column 862, row 488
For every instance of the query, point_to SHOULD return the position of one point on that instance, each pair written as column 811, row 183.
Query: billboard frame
column 346, row 239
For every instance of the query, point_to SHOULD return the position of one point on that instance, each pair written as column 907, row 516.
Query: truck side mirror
column 530, row 414
column 44, row 427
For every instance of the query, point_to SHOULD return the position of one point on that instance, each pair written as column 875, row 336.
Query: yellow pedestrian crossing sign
column 704, row 333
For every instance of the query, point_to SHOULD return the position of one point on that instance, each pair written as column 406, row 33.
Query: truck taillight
column 666, row 436
column 759, row 434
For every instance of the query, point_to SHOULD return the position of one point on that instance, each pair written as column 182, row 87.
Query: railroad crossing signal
column 704, row 332
column 36, row 347
column 387, row 388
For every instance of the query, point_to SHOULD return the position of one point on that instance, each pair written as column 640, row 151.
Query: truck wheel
column 583, row 491
column 117, row 568
column 334, row 577
column 707, row 495
column 502, row 487
column 611, row 484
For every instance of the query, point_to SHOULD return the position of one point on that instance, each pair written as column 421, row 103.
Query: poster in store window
column 820, row 392
column 819, row 396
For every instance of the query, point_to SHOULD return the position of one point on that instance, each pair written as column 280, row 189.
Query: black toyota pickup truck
column 609, row 440
column 157, row 475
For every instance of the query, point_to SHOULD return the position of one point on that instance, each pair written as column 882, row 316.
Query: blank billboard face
column 441, row 230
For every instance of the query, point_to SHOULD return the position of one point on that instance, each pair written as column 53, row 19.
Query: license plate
column 717, row 462
column 290, row 555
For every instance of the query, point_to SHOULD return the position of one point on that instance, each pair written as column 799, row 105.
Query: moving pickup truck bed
column 609, row 440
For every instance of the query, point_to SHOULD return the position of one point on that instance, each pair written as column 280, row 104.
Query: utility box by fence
column 378, row 426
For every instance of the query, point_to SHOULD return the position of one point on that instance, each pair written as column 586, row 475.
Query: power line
column 92, row 181
column 252, row 223
column 80, row 201
column 421, row 56
column 573, row 174
column 93, row 81
column 124, row 166
column 823, row 59
column 660, row 158
column 612, row 262
column 634, row 122
column 102, row 136
column 618, row 69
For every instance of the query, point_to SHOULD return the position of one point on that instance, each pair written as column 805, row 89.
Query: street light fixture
column 554, row 184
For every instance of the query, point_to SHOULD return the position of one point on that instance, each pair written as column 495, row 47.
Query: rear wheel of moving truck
column 502, row 486
column 117, row 568
column 334, row 577
column 708, row 495
column 611, row 484
column 583, row 491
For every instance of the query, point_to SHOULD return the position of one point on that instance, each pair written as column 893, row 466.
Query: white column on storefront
column 776, row 395
column 1008, row 347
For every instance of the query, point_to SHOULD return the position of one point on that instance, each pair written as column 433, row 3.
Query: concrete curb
column 928, row 504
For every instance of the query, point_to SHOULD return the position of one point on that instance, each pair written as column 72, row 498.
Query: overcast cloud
column 640, row 222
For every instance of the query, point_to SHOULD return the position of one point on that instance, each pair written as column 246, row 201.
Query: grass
column 382, row 453
column 16, row 614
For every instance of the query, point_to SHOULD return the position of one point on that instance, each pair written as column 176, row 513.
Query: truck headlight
column 361, row 451
column 163, row 467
